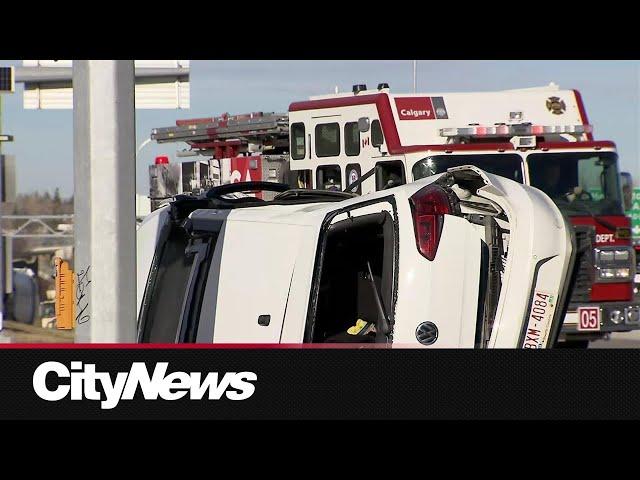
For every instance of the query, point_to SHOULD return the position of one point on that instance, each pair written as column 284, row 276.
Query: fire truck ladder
column 228, row 135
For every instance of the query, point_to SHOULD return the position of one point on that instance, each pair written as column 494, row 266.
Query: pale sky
column 43, row 142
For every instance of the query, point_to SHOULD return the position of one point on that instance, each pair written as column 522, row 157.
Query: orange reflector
column 64, row 295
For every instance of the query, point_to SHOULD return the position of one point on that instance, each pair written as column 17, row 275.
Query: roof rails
column 253, row 128
column 227, row 136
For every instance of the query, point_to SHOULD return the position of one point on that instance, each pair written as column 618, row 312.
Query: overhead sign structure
column 7, row 80
column 159, row 84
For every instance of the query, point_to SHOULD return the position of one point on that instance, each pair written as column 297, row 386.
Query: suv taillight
column 428, row 207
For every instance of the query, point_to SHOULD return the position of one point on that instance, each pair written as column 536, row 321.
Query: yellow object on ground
column 357, row 328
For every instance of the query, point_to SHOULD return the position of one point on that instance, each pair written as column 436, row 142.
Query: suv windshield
column 506, row 165
column 580, row 183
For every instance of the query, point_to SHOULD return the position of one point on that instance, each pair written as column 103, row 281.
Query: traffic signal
column 7, row 80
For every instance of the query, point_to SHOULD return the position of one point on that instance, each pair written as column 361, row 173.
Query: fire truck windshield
column 506, row 164
column 580, row 183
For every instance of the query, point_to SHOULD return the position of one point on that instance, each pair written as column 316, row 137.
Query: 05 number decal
column 589, row 318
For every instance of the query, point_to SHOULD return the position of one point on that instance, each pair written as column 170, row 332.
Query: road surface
column 619, row 340
column 14, row 332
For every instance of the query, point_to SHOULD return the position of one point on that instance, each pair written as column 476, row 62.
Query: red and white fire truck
column 238, row 148
column 369, row 140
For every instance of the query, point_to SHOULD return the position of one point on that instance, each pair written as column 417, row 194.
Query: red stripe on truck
column 582, row 112
column 335, row 102
column 577, row 145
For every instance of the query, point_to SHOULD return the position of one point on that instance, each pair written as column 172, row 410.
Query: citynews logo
column 84, row 381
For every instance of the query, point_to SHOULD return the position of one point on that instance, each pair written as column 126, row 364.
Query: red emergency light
column 162, row 160
column 514, row 130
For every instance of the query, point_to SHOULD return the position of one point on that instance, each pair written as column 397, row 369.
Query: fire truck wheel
column 580, row 344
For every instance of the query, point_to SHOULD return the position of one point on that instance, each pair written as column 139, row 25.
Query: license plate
column 589, row 319
column 540, row 317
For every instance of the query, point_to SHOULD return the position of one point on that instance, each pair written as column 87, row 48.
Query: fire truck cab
column 537, row 136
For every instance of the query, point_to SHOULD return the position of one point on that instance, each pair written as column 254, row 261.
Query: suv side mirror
column 626, row 181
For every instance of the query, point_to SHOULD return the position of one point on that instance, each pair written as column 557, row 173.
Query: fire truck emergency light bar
column 514, row 130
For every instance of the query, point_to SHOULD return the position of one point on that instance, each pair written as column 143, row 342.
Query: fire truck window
column 328, row 178
column 328, row 140
column 351, row 139
column 300, row 178
column 580, row 183
column 377, row 138
column 298, row 148
column 188, row 176
column 389, row 174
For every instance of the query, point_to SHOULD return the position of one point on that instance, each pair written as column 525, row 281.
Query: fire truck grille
column 581, row 292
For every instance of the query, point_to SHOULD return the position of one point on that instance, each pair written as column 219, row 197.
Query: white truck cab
column 459, row 259
column 535, row 136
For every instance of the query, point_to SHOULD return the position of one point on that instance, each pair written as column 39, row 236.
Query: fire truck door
column 326, row 150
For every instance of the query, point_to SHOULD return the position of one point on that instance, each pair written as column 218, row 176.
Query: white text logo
column 82, row 382
column 415, row 113
column 604, row 237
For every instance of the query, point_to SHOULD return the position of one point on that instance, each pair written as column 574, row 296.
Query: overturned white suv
column 461, row 259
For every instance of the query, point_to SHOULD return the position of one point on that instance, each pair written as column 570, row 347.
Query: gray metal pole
column 104, row 200
column 415, row 76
